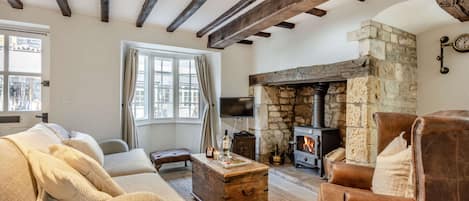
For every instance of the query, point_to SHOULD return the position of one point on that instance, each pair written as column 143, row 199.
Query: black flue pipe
column 320, row 91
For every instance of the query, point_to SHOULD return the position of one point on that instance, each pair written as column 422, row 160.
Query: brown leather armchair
column 440, row 144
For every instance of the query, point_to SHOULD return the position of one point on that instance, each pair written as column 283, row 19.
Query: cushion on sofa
column 60, row 180
column 38, row 137
column 85, row 143
column 16, row 180
column 132, row 162
column 393, row 169
column 87, row 167
column 139, row 196
column 148, row 182
column 60, row 131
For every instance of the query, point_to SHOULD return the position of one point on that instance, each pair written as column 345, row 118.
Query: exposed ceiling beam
column 65, row 8
column 263, row 34
column 16, row 4
column 316, row 11
column 147, row 7
column 459, row 9
column 246, row 42
column 186, row 14
column 266, row 14
column 105, row 10
column 286, row 25
column 225, row 16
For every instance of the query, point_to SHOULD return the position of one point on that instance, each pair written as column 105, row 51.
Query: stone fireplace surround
column 382, row 79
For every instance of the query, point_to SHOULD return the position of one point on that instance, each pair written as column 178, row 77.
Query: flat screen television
column 237, row 107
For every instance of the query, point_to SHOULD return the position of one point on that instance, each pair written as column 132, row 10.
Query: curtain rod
column 24, row 31
column 166, row 51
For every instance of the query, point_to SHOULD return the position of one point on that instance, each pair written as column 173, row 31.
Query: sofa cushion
column 148, row 182
column 87, row 167
column 139, row 196
column 86, row 144
column 62, row 181
column 14, row 169
column 132, row 162
column 393, row 169
column 60, row 131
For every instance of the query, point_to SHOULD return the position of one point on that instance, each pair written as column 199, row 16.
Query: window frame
column 150, row 88
column 6, row 65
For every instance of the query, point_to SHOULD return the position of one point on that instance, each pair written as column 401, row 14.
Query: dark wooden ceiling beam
column 246, row 42
column 263, row 34
column 266, row 14
column 147, row 7
column 105, row 10
column 285, row 25
column 16, row 4
column 317, row 12
column 241, row 5
column 457, row 8
column 193, row 7
column 64, row 8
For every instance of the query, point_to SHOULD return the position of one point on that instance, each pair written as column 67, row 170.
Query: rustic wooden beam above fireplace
column 311, row 74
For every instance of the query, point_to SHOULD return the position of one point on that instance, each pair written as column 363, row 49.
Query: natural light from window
column 22, row 71
column 166, row 88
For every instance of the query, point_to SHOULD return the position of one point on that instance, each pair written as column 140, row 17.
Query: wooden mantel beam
column 266, row 14
column 241, row 5
column 64, row 8
column 16, row 4
column 105, row 10
column 319, row 73
column 147, row 7
column 186, row 14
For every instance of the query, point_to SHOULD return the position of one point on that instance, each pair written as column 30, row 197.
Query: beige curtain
column 209, row 115
column 130, row 77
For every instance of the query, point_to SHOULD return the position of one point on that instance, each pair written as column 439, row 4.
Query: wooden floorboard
column 280, row 188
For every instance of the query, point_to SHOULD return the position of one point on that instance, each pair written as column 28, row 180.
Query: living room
column 310, row 93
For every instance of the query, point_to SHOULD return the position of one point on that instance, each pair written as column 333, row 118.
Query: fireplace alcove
column 382, row 79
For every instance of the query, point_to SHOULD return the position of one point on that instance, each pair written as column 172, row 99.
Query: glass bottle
column 226, row 145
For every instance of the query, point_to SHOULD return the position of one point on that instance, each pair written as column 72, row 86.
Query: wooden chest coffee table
column 212, row 182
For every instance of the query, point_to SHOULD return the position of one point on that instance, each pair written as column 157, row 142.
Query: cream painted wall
column 318, row 41
column 436, row 91
column 86, row 71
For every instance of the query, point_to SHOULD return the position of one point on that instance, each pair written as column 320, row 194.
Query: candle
column 216, row 154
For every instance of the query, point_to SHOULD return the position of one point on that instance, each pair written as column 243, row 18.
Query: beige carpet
column 280, row 189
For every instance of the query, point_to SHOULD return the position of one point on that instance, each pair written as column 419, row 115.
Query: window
column 20, row 73
column 167, row 88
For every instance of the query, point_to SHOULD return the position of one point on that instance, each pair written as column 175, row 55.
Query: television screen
column 237, row 107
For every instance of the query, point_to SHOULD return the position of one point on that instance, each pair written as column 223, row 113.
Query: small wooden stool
column 169, row 156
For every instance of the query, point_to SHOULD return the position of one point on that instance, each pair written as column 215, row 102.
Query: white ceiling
column 165, row 11
column 415, row 16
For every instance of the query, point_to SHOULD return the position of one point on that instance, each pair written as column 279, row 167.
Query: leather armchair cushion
column 351, row 175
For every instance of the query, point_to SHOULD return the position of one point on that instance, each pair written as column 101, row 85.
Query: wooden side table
column 212, row 182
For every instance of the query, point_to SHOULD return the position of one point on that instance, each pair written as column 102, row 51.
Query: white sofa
column 131, row 169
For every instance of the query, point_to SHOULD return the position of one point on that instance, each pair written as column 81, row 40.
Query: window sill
column 156, row 122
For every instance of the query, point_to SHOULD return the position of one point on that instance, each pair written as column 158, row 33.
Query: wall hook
column 444, row 42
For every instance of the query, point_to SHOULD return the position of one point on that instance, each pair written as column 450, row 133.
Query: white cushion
column 393, row 169
column 85, row 143
column 139, row 196
column 87, row 167
column 134, row 161
column 61, row 181
column 148, row 182
column 60, row 131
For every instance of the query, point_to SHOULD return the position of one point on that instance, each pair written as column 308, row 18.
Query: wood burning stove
column 312, row 143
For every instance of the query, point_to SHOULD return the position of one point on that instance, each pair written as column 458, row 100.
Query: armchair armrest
column 351, row 175
column 368, row 196
column 113, row 146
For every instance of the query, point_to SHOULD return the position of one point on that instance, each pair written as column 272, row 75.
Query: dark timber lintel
column 318, row 73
